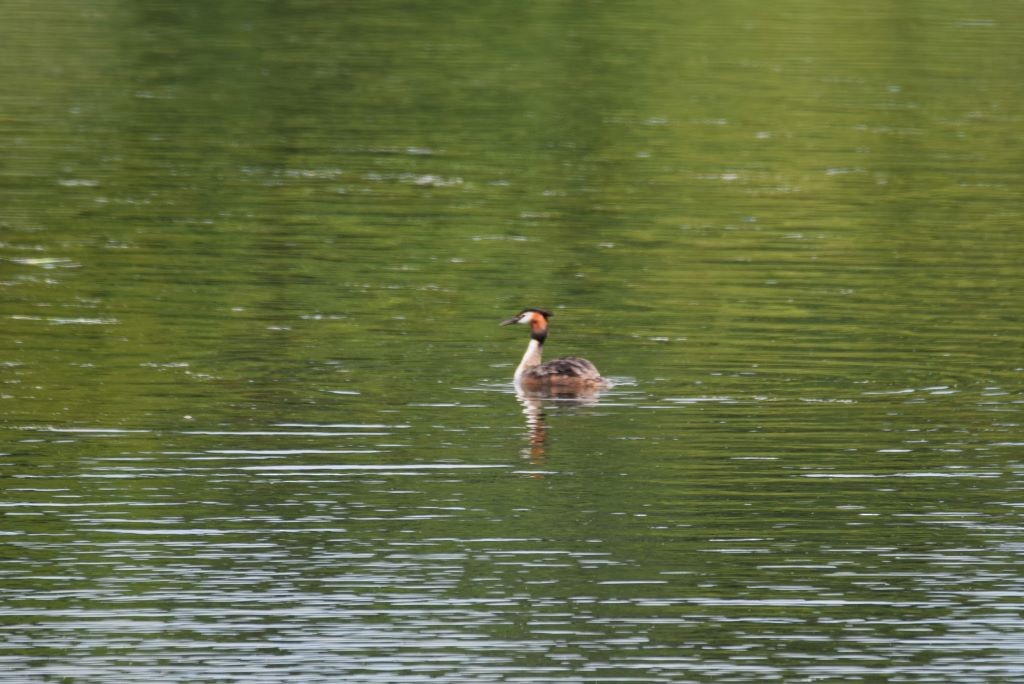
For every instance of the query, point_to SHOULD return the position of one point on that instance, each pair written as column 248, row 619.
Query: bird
column 566, row 373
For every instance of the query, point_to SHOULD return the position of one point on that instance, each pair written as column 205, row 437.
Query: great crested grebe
column 567, row 372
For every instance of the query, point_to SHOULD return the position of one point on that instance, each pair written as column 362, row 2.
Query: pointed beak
column 511, row 321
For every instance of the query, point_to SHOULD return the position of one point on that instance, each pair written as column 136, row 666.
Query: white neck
column 530, row 359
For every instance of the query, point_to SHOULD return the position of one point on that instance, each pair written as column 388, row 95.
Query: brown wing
column 567, row 367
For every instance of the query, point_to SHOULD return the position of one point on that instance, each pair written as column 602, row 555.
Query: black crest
column 542, row 312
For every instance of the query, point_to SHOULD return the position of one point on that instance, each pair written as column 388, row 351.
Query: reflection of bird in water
column 533, row 409
column 568, row 374
column 533, row 402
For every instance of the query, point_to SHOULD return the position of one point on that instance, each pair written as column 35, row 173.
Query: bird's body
column 569, row 372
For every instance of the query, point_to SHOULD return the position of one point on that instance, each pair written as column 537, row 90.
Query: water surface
column 258, row 423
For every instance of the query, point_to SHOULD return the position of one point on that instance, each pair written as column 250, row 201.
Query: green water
column 258, row 422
